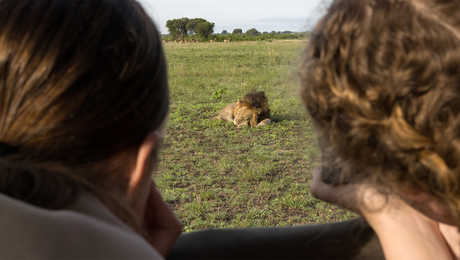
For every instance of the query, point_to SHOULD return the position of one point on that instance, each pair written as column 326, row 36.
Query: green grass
column 216, row 175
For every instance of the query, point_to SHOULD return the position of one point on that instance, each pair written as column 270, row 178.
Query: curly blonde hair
column 381, row 80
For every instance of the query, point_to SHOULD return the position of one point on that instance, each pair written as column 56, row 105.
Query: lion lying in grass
column 251, row 110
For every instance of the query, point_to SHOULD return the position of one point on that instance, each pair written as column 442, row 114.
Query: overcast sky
column 264, row 15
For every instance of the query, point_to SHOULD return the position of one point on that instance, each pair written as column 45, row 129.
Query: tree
column 193, row 23
column 252, row 32
column 237, row 31
column 204, row 29
column 180, row 28
column 177, row 27
column 224, row 32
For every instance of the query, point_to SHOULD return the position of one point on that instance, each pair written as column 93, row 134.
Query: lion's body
column 251, row 110
column 226, row 113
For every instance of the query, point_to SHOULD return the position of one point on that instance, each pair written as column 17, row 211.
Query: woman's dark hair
column 80, row 81
column 381, row 80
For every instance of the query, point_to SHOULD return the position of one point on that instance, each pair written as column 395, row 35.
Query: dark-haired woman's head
column 381, row 81
column 80, row 83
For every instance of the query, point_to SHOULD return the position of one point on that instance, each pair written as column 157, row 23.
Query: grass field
column 216, row 175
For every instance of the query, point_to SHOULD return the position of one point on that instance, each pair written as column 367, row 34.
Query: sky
column 264, row 15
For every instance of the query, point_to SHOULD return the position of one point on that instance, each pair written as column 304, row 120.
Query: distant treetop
column 180, row 28
column 237, row 31
column 252, row 32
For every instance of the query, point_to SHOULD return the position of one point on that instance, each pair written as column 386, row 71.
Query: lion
column 251, row 110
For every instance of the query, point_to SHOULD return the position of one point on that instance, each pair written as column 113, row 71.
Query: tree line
column 199, row 29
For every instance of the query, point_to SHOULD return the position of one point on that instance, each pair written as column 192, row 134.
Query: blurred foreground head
column 80, row 81
column 381, row 80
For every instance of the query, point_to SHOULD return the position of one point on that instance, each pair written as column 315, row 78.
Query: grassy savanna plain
column 216, row 175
